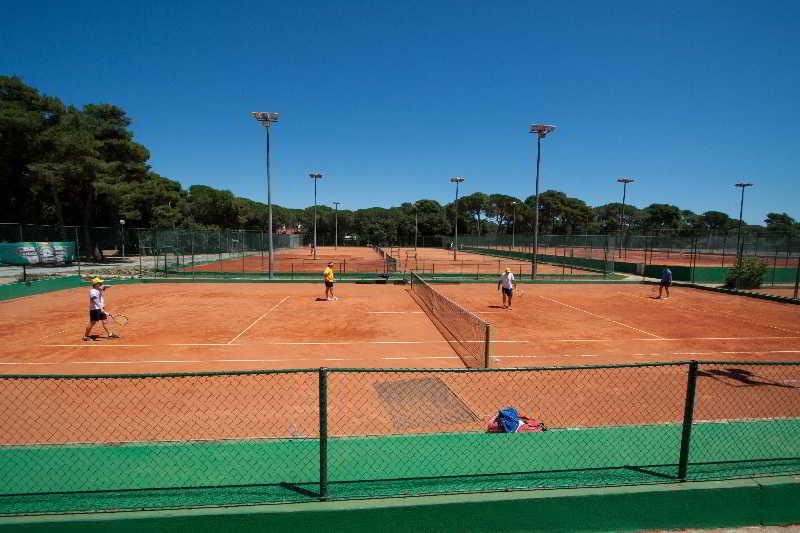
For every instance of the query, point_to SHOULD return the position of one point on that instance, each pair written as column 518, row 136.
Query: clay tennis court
column 180, row 327
column 368, row 261
column 438, row 260
column 151, row 424
column 660, row 257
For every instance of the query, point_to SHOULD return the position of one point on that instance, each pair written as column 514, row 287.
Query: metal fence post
column 688, row 415
column 797, row 278
column 323, row 434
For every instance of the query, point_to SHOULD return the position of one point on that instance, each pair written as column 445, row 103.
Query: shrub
column 748, row 274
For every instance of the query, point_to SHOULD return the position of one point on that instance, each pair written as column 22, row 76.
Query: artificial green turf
column 142, row 475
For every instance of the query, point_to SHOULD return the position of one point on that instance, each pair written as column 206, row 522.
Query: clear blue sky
column 390, row 99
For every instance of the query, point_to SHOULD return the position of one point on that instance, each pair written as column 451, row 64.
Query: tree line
column 67, row 165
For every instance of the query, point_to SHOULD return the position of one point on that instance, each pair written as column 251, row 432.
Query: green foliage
column 747, row 275
column 781, row 223
column 65, row 165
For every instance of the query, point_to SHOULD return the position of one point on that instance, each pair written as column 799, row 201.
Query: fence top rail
column 752, row 363
column 161, row 374
column 340, row 370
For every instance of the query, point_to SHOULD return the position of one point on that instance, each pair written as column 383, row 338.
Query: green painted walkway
column 158, row 475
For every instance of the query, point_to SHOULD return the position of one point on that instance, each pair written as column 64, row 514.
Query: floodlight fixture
column 265, row 118
column 542, row 129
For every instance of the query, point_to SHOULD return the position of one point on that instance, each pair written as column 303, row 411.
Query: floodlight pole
column 513, row 224
column 336, row 224
column 416, row 224
column 743, row 186
column 541, row 130
column 122, row 230
column 624, row 182
column 456, row 180
column 266, row 120
column 316, row 176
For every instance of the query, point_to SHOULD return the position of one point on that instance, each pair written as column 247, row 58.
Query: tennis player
column 97, row 311
column 328, row 275
column 666, row 281
column 506, row 284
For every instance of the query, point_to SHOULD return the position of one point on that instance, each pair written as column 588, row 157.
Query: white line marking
column 197, row 361
column 394, row 312
column 346, row 343
column 600, row 316
column 111, row 345
column 735, row 316
column 257, row 320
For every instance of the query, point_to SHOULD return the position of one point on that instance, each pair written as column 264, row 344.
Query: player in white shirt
column 97, row 312
column 506, row 284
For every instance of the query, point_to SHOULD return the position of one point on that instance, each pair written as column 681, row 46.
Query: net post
column 487, row 350
column 78, row 251
column 688, row 415
column 141, row 251
column 323, row 434
column 797, row 278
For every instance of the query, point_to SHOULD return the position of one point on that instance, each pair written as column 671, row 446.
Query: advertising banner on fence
column 37, row 253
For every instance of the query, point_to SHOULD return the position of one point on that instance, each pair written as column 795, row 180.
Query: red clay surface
column 439, row 260
column 367, row 260
column 208, row 327
column 202, row 327
column 660, row 257
column 345, row 258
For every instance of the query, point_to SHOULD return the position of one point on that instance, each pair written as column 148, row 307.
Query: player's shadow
column 745, row 377
column 496, row 307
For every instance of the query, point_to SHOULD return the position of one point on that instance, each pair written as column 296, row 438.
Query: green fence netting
column 85, row 443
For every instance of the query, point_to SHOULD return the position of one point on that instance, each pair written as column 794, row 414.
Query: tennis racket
column 519, row 292
column 119, row 320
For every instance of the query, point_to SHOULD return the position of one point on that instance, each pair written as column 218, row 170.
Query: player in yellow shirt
column 329, row 279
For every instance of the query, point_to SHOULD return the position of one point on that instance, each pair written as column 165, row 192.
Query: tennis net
column 468, row 335
column 389, row 261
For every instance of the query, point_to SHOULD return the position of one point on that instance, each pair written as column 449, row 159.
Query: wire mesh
column 468, row 334
column 389, row 261
column 232, row 438
column 746, row 419
column 85, row 443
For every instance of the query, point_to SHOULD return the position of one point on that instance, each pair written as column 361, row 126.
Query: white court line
column 257, row 320
column 394, row 312
column 735, row 316
column 112, row 345
column 196, row 361
column 346, row 343
column 603, row 317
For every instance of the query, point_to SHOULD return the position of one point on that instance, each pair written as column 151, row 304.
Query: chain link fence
column 72, row 443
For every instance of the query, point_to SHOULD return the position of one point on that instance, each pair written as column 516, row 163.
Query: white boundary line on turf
column 601, row 316
column 257, row 320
